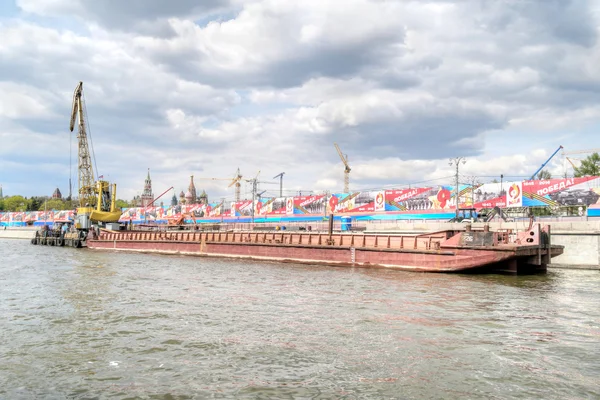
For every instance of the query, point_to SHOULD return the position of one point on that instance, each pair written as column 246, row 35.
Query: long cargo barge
column 484, row 251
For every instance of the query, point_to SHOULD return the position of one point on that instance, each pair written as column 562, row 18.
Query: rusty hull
column 445, row 251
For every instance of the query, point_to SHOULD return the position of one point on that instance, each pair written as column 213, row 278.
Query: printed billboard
column 426, row 202
column 514, row 195
column 351, row 202
column 583, row 191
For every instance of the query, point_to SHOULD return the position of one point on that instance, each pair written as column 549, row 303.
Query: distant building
column 190, row 196
column 203, row 199
column 147, row 196
column 1, row 196
column 174, row 200
column 136, row 201
column 56, row 195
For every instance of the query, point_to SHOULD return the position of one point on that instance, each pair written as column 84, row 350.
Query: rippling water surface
column 81, row 324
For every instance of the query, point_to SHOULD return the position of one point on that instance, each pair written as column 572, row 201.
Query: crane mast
column 346, row 169
column 236, row 181
column 87, row 197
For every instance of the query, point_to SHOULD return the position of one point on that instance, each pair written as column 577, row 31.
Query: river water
column 83, row 324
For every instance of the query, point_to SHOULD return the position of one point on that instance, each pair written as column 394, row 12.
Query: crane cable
column 70, row 167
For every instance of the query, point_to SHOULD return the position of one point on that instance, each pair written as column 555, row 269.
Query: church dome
column 188, row 195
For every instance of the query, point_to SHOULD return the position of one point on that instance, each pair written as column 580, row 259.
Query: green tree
column 34, row 203
column 544, row 174
column 589, row 167
column 1, row 204
column 121, row 204
column 54, row 204
column 16, row 203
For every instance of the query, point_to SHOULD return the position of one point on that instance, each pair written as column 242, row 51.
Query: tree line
column 36, row 203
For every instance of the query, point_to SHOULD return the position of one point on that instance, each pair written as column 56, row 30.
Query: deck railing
column 416, row 242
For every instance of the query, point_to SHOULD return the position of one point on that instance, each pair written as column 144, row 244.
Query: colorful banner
column 562, row 192
column 426, row 202
column 351, row 202
column 514, row 195
column 407, row 199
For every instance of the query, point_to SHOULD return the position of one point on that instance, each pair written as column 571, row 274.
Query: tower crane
column 347, row 169
column 254, row 182
column 568, row 153
column 571, row 162
column 570, row 159
column 236, row 181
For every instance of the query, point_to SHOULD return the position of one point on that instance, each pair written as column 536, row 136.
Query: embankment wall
column 17, row 233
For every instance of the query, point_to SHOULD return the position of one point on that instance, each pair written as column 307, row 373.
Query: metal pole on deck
column 456, row 161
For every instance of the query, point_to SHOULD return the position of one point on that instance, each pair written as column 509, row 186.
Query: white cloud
column 203, row 88
column 20, row 101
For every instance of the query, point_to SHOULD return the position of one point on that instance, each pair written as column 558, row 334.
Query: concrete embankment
column 580, row 238
column 17, row 233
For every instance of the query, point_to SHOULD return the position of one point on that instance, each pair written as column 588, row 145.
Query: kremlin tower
column 147, row 196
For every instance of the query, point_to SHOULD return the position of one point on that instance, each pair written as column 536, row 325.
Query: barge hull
column 435, row 252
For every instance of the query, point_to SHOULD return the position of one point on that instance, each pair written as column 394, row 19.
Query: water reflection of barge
column 467, row 250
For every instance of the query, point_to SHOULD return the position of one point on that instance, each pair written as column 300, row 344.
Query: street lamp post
column 473, row 181
column 222, row 208
column 456, row 162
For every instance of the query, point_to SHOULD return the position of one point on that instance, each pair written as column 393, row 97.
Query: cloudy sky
column 270, row 85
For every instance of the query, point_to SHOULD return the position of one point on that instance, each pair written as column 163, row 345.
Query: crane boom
column 76, row 105
column 544, row 164
column 572, row 163
column 344, row 159
column 87, row 197
column 567, row 153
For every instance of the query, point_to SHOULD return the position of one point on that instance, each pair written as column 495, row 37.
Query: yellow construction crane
column 570, row 159
column 585, row 151
column 571, row 162
column 214, row 179
column 347, row 169
column 96, row 199
column 236, row 181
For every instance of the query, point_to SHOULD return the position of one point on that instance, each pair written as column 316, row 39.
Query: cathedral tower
column 190, row 196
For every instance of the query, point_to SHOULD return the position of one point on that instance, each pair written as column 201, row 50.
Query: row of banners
column 583, row 191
